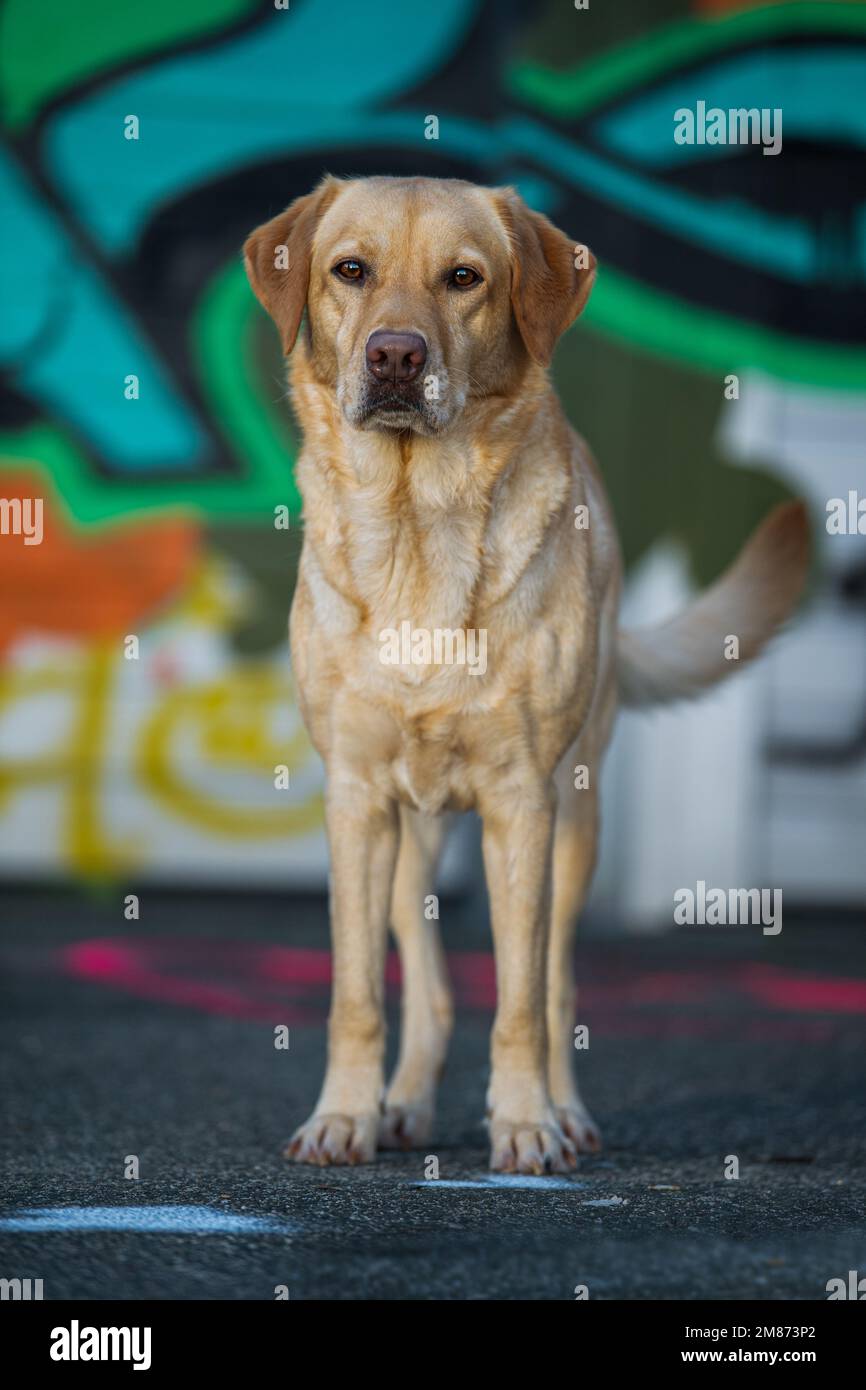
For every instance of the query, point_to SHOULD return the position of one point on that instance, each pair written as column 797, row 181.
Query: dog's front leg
column 363, row 838
column 427, row 1007
column 518, row 836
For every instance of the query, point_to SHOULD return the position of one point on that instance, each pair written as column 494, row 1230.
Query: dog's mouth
column 394, row 409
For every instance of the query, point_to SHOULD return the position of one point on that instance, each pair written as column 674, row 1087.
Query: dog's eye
column 349, row 270
column 463, row 278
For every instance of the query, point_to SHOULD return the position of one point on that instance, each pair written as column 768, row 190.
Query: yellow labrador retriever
column 454, row 630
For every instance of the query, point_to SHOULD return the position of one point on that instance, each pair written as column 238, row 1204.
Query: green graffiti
column 714, row 342
column 45, row 49
column 225, row 329
column 573, row 92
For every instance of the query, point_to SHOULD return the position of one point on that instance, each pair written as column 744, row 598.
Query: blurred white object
column 742, row 788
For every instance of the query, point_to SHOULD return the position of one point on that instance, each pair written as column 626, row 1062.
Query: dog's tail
column 680, row 658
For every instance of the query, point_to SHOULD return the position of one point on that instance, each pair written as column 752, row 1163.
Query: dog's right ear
column 277, row 259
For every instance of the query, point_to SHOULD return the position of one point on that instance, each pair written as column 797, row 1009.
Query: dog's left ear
column 277, row 259
column 551, row 275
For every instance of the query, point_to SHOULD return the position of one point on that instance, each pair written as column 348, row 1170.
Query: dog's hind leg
column 574, row 855
column 427, row 1010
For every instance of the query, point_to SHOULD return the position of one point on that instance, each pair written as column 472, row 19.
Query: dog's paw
column 578, row 1125
column 337, row 1139
column 406, row 1125
column 530, row 1148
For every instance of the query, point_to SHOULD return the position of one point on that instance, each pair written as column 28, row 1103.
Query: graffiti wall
column 147, row 720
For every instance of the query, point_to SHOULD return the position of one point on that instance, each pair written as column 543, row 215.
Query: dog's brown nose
column 395, row 356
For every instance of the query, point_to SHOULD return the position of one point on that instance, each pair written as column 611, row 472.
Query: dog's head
column 421, row 294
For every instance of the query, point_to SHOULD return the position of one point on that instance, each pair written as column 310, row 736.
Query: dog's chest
column 429, row 684
column 422, row 632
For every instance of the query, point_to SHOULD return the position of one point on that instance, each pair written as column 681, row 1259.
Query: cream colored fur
column 461, row 515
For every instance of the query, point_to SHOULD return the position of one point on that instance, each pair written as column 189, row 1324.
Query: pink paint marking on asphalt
column 126, row 967
column 292, row 984
column 782, row 989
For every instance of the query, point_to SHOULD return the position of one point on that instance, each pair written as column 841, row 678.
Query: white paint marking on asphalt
column 172, row 1220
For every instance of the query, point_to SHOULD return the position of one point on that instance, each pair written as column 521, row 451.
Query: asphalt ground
column 154, row 1040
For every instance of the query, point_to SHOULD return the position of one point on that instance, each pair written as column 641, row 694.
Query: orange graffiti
column 97, row 584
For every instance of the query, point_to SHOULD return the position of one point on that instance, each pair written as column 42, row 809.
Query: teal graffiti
column 69, row 344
